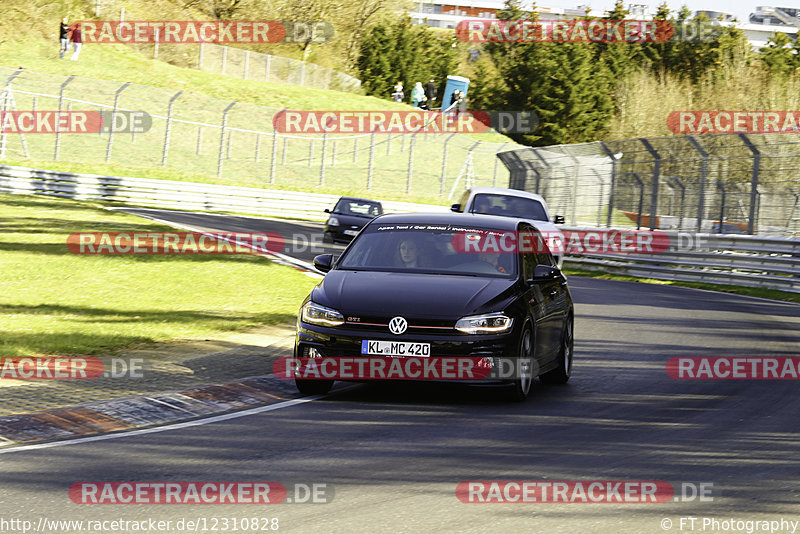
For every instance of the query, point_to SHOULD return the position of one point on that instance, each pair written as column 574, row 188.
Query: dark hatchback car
column 515, row 305
column 348, row 216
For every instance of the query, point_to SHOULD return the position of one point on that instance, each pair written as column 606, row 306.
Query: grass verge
column 55, row 302
column 773, row 294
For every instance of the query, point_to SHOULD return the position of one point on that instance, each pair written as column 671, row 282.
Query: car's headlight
column 488, row 323
column 333, row 221
column 320, row 315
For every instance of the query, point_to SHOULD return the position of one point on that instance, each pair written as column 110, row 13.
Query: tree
column 780, row 55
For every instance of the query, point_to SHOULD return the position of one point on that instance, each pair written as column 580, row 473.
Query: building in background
column 764, row 22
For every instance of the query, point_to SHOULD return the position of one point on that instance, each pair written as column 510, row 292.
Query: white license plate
column 395, row 348
column 350, row 232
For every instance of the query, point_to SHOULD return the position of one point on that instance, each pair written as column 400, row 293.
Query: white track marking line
column 165, row 428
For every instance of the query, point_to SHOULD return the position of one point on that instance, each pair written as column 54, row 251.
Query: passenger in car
column 408, row 253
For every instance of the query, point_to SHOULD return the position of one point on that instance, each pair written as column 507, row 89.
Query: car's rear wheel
column 561, row 374
column 522, row 384
column 314, row 387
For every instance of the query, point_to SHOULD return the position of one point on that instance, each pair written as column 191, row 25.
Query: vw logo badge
column 397, row 325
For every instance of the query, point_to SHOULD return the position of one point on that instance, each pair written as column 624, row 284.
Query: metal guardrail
column 179, row 195
column 767, row 262
column 719, row 259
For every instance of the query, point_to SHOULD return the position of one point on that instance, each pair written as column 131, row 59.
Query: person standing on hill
column 417, row 94
column 77, row 41
column 430, row 92
column 63, row 35
column 398, row 95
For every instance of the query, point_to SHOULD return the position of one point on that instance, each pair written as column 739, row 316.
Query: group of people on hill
column 420, row 97
column 423, row 97
column 70, row 34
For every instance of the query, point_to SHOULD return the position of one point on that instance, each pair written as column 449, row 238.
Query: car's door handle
column 553, row 293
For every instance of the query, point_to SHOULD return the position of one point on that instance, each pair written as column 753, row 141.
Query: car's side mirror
column 455, row 207
column 558, row 219
column 542, row 273
column 327, row 210
column 323, row 262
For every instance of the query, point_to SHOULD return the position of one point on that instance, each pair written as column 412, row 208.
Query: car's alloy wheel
column 525, row 366
column 314, row 387
column 561, row 374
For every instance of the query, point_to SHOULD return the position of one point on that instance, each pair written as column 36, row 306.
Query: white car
column 517, row 204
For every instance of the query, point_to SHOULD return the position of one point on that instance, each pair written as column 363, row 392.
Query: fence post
column 6, row 95
column 600, row 203
column 496, row 161
column 614, row 172
column 258, row 146
column 721, row 187
column 751, row 223
column 371, row 159
column 58, row 116
column 703, row 174
column 410, row 162
column 322, row 158
column 285, row 148
column 676, row 180
column 168, row 128
column 113, row 115
column 641, row 200
column 274, row 156
column 575, row 165
column 388, row 143
column 538, row 175
column 333, row 154
column 222, row 138
column 199, row 139
column 656, row 175
column 310, row 151
column 444, row 164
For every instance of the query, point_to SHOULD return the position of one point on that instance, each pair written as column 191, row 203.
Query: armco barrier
column 768, row 262
column 179, row 195
column 719, row 259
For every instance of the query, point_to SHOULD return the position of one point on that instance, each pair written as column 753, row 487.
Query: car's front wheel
column 521, row 386
column 314, row 387
column 561, row 374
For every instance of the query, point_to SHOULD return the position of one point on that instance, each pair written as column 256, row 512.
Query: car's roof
column 490, row 222
column 360, row 199
column 505, row 191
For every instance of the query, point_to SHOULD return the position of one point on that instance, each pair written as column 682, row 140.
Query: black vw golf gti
column 442, row 286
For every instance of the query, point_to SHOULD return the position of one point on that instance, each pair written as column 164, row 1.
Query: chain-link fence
column 234, row 143
column 250, row 65
column 727, row 183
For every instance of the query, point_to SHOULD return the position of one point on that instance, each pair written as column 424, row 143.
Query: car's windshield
column 359, row 208
column 509, row 206
column 426, row 248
